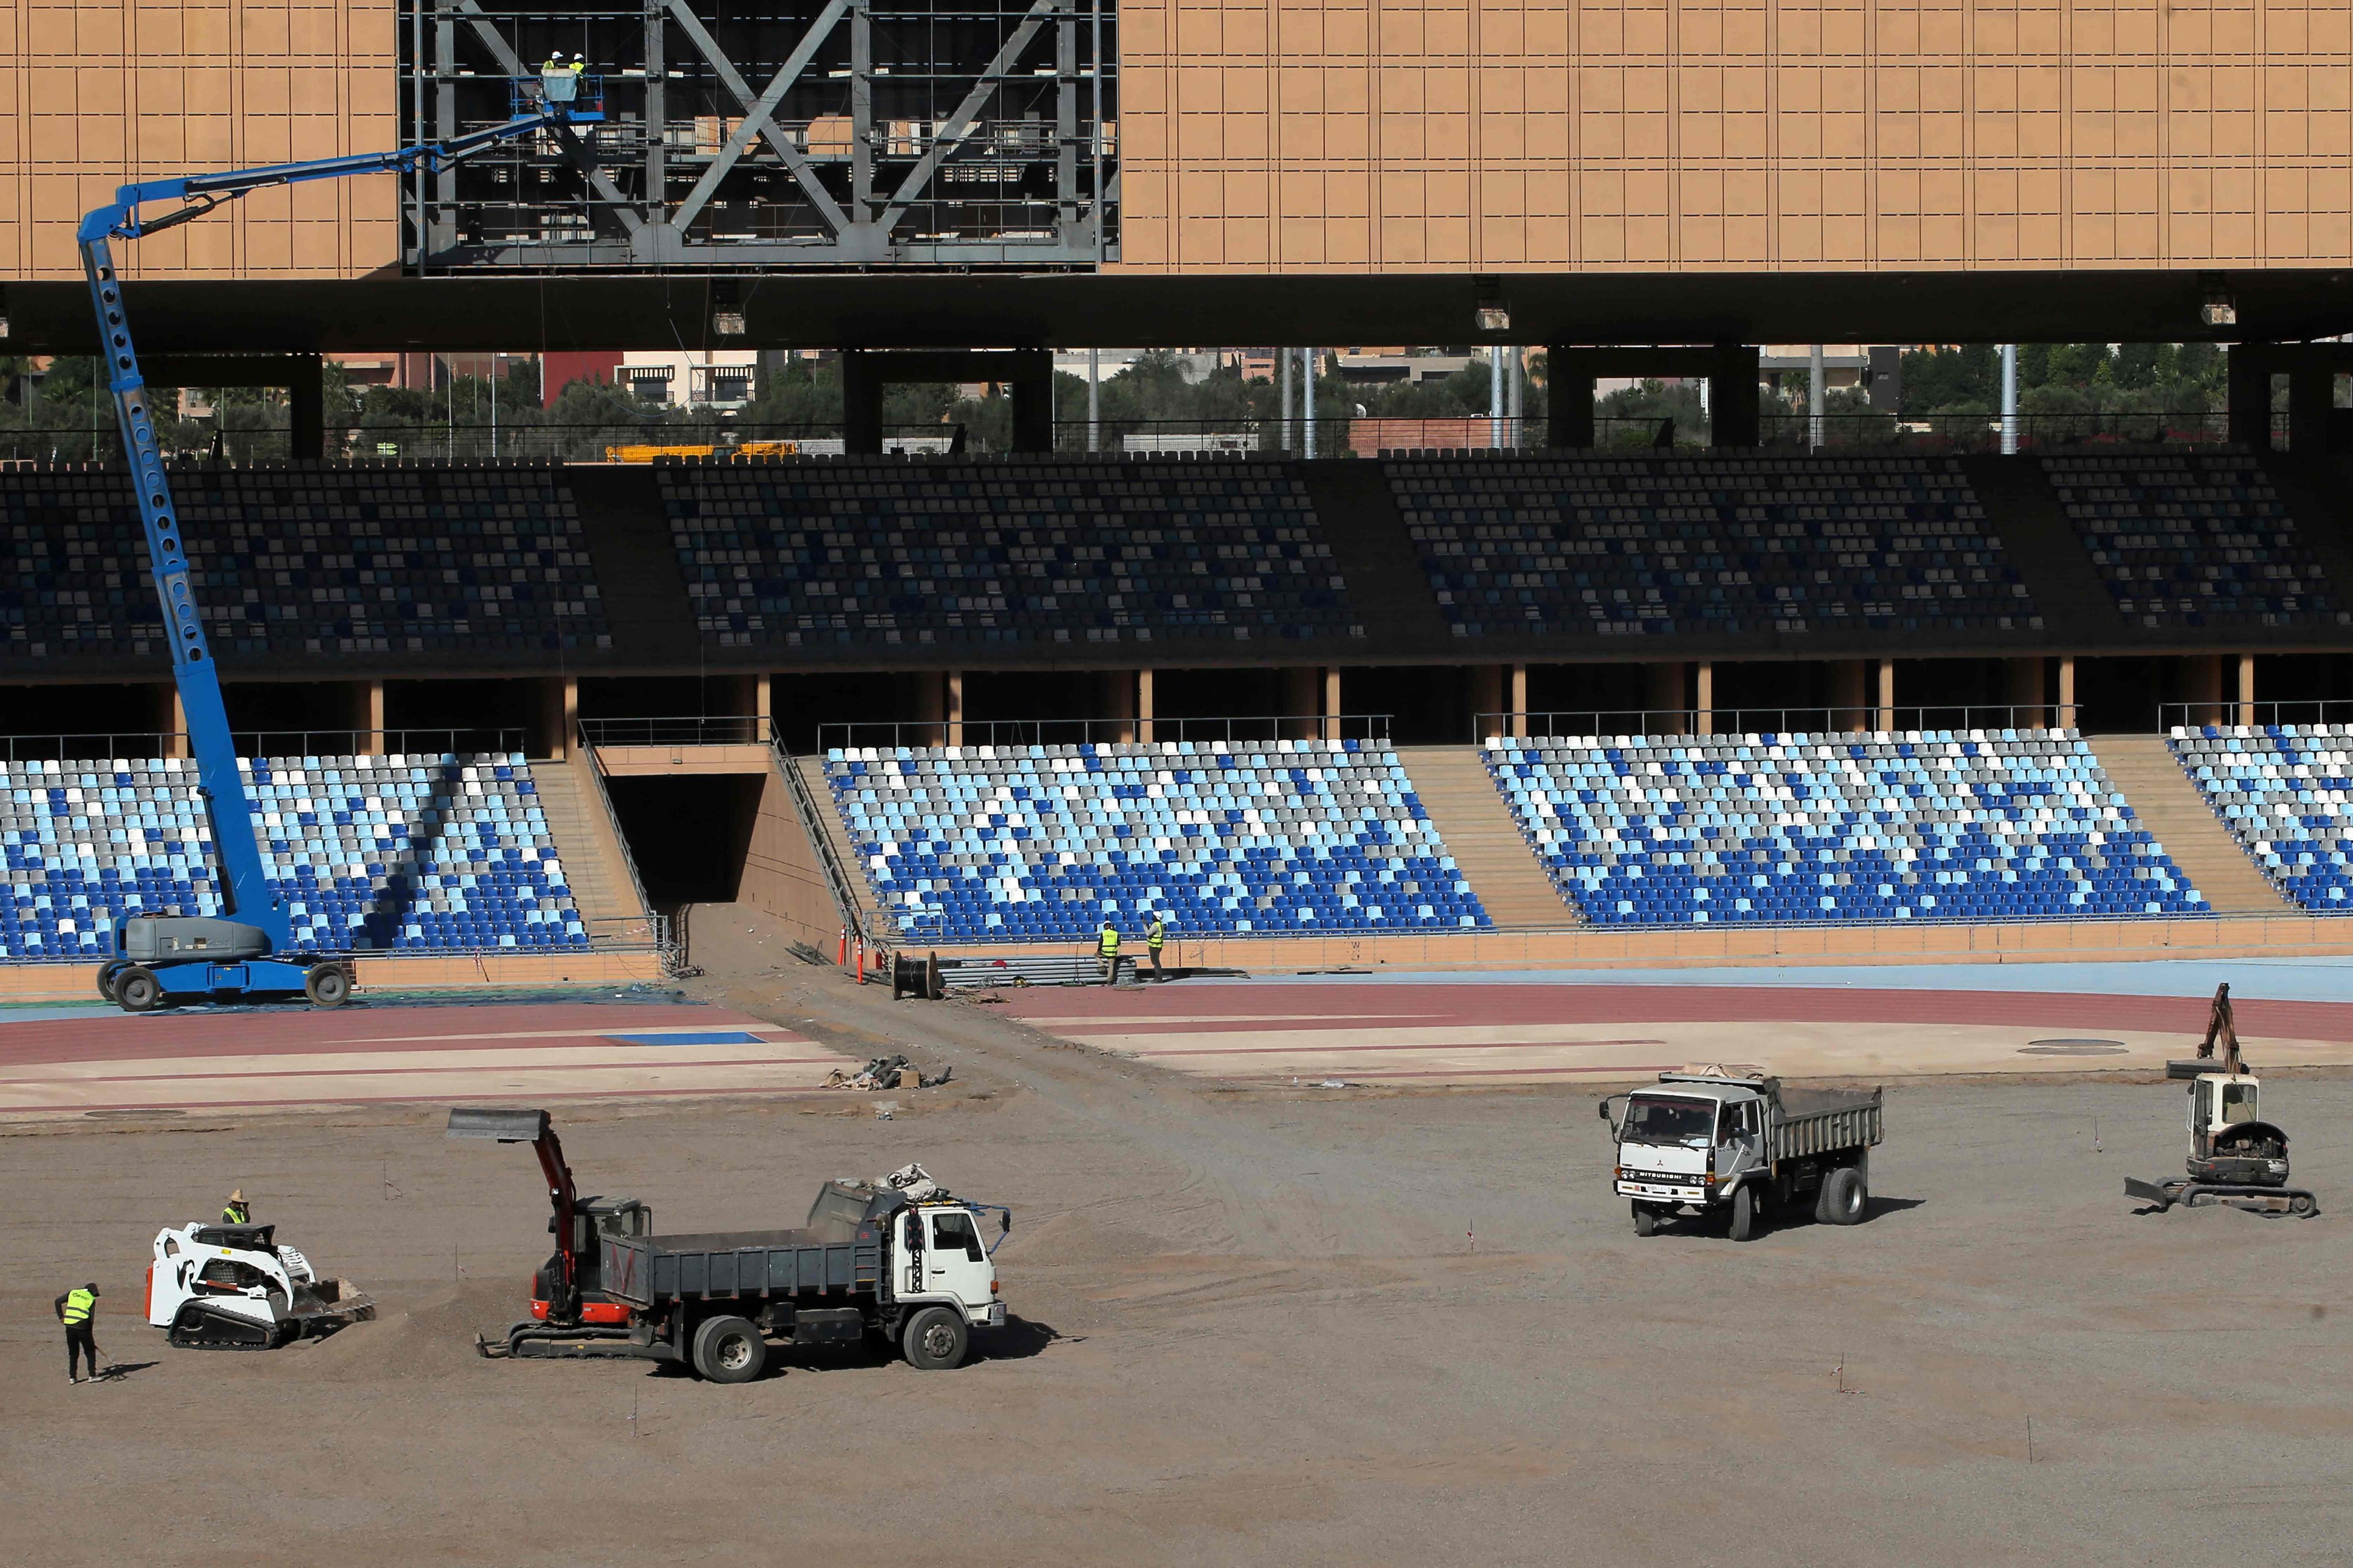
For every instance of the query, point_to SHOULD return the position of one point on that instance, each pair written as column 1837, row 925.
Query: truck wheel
column 136, row 990
column 1646, row 1219
column 107, row 972
column 729, row 1350
column 935, row 1339
column 1744, row 1212
column 327, row 985
column 1843, row 1198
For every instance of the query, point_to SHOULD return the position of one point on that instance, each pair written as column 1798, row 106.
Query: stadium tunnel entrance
column 689, row 834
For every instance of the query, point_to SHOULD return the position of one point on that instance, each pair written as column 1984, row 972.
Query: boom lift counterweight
column 249, row 949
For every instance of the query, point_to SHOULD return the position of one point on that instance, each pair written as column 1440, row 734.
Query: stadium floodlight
column 2217, row 310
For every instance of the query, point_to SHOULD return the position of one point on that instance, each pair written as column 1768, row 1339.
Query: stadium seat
column 1980, row 825
column 1044, row 843
column 1642, row 546
column 372, row 853
column 2194, row 540
column 2283, row 791
column 312, row 561
column 1082, row 551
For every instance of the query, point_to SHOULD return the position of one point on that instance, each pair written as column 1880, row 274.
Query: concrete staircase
column 2170, row 806
column 593, row 866
column 837, row 835
column 1482, row 837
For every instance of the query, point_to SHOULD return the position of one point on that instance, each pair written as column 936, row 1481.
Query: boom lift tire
column 327, row 984
column 1646, row 1220
column 934, row 1339
column 1845, row 1198
column 1742, row 1225
column 107, row 974
column 136, row 990
column 729, row 1350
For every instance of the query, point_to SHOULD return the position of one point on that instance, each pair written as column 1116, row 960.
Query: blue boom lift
column 248, row 950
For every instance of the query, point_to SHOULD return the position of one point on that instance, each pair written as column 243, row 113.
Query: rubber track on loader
column 238, row 1333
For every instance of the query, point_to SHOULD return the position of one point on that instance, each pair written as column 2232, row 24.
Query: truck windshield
column 1659, row 1118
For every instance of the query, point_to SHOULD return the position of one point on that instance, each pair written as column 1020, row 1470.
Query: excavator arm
column 246, row 896
column 537, row 1129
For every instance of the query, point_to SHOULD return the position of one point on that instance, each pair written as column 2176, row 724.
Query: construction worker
column 77, row 1309
column 559, row 82
column 235, row 1211
column 1107, row 952
column 1153, row 935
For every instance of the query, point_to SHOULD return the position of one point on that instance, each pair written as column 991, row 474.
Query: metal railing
column 815, row 824
column 1844, row 720
column 2230, row 714
column 936, row 732
column 704, row 434
column 166, row 743
column 740, row 729
column 657, row 924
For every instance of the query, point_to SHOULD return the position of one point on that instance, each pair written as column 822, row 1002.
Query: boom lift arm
column 240, row 953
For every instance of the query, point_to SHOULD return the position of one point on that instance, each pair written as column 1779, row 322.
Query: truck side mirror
column 1005, row 1223
column 1603, row 1109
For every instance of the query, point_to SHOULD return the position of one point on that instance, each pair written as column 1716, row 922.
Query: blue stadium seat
column 307, row 560
column 1980, row 825
column 2283, row 791
column 1044, row 843
column 1081, row 551
column 1657, row 545
column 2194, row 540
column 373, row 853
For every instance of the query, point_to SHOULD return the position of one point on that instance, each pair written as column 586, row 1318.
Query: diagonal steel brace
column 757, row 112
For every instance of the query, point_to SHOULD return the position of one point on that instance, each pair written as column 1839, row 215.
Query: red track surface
column 1198, row 1009
column 378, row 1028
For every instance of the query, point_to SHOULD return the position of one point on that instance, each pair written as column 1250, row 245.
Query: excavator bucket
column 504, row 1126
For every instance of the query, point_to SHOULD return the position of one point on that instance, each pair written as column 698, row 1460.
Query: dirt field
column 1254, row 1326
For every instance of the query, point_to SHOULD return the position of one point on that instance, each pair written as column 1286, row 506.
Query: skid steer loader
column 232, row 1287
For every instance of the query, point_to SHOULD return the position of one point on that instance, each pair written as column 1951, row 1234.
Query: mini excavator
column 2236, row 1157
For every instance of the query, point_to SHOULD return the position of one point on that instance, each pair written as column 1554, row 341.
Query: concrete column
column 764, row 705
column 1301, row 701
column 1144, row 706
column 1118, row 701
column 559, row 716
column 1703, row 698
column 1033, row 400
column 2246, row 714
column 2023, row 689
column 1885, row 716
column 2311, row 394
column 1664, row 697
column 175, row 721
column 1731, row 397
column 2066, row 718
column 2201, row 686
column 2249, row 381
column 951, row 706
column 370, row 713
column 1850, row 693
column 306, row 408
column 861, row 404
column 1486, row 699
column 1331, row 702
column 1519, row 703
column 1569, row 417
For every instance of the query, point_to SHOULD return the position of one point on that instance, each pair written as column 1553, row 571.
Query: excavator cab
column 2219, row 1101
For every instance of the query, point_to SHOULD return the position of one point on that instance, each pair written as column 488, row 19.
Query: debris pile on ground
column 888, row 1072
column 911, row 1179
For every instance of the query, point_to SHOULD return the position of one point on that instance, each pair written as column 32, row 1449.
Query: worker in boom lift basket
column 76, row 1310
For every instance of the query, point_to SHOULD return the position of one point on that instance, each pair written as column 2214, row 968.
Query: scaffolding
column 820, row 135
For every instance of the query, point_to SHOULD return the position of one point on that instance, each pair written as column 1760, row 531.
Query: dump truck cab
column 1680, row 1141
column 1734, row 1144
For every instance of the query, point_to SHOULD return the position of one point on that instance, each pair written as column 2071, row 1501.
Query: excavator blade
column 505, row 1126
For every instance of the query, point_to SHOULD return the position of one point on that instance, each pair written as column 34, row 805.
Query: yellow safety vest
column 237, row 1214
column 78, row 1305
column 1151, row 939
column 1110, row 945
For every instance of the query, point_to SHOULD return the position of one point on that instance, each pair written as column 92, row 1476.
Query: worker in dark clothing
column 235, row 1211
column 78, row 1309
column 1153, row 935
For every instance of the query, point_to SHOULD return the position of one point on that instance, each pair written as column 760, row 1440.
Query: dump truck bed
column 1814, row 1121
column 647, row 1270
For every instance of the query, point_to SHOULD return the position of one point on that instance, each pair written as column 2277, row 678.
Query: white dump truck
column 1733, row 1149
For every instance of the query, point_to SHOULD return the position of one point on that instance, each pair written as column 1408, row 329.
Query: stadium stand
column 1654, row 545
column 2192, row 539
column 2283, row 790
column 434, row 852
column 307, row 561
column 813, row 554
column 1044, row 843
column 1976, row 824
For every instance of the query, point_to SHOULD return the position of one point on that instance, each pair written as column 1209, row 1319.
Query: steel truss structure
column 824, row 134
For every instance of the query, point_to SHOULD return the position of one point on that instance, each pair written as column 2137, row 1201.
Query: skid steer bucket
column 504, row 1126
